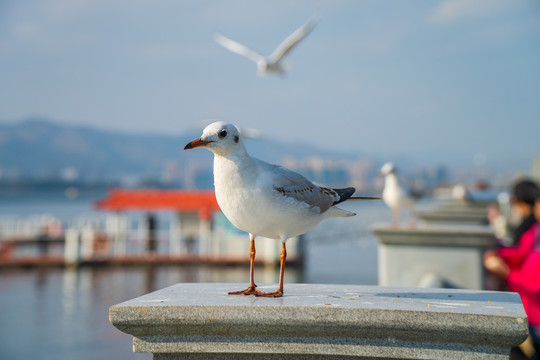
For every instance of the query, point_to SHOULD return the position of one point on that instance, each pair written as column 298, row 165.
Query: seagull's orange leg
column 252, row 288
column 413, row 218
column 397, row 212
column 279, row 291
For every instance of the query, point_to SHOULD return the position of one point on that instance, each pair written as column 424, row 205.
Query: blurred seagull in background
column 273, row 62
column 460, row 192
column 264, row 199
column 396, row 196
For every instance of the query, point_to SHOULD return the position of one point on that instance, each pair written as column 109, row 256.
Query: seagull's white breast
column 246, row 195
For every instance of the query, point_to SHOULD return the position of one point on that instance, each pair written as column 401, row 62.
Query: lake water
column 63, row 314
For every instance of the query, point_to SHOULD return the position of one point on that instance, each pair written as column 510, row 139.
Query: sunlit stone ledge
column 200, row 321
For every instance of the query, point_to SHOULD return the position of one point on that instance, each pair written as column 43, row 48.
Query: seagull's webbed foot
column 274, row 294
column 251, row 290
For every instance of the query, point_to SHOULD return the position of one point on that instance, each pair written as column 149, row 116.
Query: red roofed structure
column 193, row 234
column 202, row 202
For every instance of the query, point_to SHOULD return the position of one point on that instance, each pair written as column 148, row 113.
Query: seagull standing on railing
column 396, row 196
column 273, row 62
column 264, row 199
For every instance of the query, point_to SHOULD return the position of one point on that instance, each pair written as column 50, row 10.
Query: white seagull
column 396, row 196
column 264, row 199
column 273, row 62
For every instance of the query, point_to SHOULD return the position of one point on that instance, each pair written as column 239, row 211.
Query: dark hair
column 526, row 191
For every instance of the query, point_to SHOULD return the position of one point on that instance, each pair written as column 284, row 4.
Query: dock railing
column 120, row 239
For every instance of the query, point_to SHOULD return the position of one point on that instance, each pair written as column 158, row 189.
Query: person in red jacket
column 524, row 194
column 519, row 267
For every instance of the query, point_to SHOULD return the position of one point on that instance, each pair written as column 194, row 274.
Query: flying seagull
column 396, row 196
column 273, row 62
column 264, row 199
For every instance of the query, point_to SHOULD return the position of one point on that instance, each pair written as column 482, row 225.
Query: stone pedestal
column 433, row 255
column 200, row 321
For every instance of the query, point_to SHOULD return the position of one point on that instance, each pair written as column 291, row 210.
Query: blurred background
column 98, row 95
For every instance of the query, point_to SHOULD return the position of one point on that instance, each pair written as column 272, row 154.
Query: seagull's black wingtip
column 344, row 194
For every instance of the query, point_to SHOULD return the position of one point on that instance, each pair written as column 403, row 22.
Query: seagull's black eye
column 222, row 134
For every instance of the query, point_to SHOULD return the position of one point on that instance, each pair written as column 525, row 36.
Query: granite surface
column 454, row 217
column 195, row 321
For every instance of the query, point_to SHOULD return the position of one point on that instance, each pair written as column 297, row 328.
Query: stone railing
column 200, row 321
column 433, row 255
column 462, row 212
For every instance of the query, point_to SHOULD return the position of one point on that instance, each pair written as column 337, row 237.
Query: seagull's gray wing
column 238, row 48
column 293, row 185
column 291, row 41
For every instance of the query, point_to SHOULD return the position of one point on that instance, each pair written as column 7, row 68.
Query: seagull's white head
column 387, row 168
column 219, row 137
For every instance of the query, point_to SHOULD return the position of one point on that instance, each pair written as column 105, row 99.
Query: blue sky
column 429, row 80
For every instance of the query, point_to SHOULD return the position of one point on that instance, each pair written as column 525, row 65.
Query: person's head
column 537, row 209
column 524, row 195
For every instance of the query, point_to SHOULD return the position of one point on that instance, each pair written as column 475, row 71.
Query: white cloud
column 44, row 26
column 24, row 30
column 172, row 52
column 68, row 9
column 450, row 11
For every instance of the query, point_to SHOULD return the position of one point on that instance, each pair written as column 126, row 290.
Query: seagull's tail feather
column 364, row 198
column 345, row 194
column 334, row 211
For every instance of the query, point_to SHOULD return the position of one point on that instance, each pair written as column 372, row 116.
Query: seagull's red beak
column 196, row 143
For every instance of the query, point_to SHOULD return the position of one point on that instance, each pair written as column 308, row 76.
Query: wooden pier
column 197, row 233
column 138, row 260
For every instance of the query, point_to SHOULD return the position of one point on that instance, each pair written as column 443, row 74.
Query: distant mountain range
column 41, row 148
